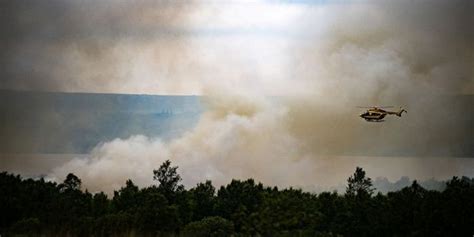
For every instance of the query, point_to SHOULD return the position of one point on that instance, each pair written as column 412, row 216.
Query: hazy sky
column 319, row 58
column 279, row 47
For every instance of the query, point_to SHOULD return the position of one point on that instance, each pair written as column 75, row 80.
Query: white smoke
column 323, row 60
column 234, row 141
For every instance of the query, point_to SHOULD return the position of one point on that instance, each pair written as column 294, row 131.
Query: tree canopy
column 35, row 207
column 168, row 178
column 358, row 184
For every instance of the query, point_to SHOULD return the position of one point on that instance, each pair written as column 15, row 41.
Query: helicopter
column 376, row 114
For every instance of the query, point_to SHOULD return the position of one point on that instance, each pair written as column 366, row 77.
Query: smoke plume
column 281, row 82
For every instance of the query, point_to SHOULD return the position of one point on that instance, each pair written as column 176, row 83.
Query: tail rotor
column 400, row 112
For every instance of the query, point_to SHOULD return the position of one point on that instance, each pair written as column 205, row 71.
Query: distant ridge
column 58, row 122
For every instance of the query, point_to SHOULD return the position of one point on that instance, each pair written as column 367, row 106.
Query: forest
column 36, row 207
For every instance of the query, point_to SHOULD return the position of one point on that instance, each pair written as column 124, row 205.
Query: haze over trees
column 241, row 208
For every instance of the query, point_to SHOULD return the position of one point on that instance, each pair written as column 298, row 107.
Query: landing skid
column 375, row 121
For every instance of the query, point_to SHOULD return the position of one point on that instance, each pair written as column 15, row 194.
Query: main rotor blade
column 380, row 107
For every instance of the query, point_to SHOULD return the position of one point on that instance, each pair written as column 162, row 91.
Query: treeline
column 242, row 208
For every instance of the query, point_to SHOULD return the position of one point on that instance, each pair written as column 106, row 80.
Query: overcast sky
column 273, row 47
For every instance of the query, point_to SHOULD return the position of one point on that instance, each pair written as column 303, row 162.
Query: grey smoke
column 322, row 60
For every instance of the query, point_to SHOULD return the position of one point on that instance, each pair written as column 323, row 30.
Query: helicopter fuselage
column 373, row 116
column 376, row 114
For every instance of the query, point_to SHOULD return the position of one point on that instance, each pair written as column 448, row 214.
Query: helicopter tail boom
column 400, row 112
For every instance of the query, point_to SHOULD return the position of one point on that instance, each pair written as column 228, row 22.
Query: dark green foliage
column 114, row 224
column 154, row 213
column 242, row 208
column 71, row 183
column 169, row 179
column 210, row 226
column 239, row 202
column 203, row 200
column 127, row 198
column 358, row 184
column 458, row 206
column 100, row 204
column 27, row 227
column 289, row 211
